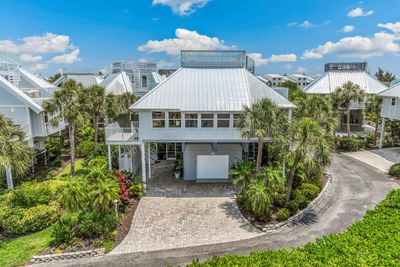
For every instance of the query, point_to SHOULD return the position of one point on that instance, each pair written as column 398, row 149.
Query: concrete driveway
column 356, row 187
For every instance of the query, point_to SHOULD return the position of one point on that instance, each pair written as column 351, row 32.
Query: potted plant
column 177, row 169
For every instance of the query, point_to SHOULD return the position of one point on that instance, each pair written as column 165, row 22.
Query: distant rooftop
column 216, row 59
column 346, row 66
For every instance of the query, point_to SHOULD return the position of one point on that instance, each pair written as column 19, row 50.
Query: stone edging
column 273, row 227
column 67, row 256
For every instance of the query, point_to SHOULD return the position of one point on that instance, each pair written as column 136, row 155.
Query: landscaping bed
column 372, row 241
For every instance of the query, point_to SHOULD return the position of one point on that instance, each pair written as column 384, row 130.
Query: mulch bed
column 125, row 226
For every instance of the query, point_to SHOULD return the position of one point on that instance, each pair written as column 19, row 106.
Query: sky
column 285, row 36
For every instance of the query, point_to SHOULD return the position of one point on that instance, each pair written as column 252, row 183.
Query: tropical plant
column 104, row 193
column 373, row 111
column 242, row 173
column 259, row 121
column 15, row 154
column 74, row 196
column 384, row 76
column 344, row 96
column 125, row 101
column 395, row 170
column 307, row 142
column 99, row 105
column 273, row 178
column 66, row 105
column 257, row 199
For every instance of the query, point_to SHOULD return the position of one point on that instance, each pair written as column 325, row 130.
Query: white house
column 192, row 116
column 85, row 77
column 117, row 84
column 301, row 80
column 336, row 75
column 276, row 79
column 22, row 95
column 390, row 107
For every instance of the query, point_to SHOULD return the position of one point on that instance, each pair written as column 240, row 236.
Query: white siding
column 391, row 111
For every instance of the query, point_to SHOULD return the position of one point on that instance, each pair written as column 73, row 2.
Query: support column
column 149, row 159
column 109, row 157
column 143, row 159
column 382, row 137
column 10, row 183
column 290, row 115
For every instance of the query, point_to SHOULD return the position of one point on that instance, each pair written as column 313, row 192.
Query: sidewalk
column 380, row 159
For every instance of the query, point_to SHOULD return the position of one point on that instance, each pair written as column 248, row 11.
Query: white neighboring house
column 390, row 107
column 336, row 75
column 192, row 116
column 276, row 80
column 85, row 77
column 117, row 84
column 301, row 80
column 22, row 95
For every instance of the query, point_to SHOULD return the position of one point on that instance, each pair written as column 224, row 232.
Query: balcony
column 116, row 134
column 51, row 130
column 354, row 105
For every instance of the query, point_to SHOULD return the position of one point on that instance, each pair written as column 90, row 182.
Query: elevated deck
column 117, row 135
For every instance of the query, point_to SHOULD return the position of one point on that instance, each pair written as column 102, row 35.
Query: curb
column 295, row 218
column 67, row 256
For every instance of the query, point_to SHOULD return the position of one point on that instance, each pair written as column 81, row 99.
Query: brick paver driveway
column 177, row 214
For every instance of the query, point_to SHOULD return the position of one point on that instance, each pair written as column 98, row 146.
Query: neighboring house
column 301, row 80
column 336, row 75
column 192, row 116
column 117, row 84
column 390, row 107
column 143, row 75
column 85, row 77
column 22, row 95
column 276, row 79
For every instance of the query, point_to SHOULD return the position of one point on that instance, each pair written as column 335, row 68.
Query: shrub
column 352, row 144
column 257, row 200
column 95, row 223
column 137, row 189
column 63, row 232
column 85, row 148
column 283, row 214
column 20, row 220
column 33, row 193
column 395, row 170
column 279, row 200
column 54, row 146
column 300, row 199
column 293, row 206
column 310, row 191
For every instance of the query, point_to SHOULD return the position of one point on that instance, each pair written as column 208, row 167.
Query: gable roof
column 393, row 91
column 86, row 79
column 331, row 80
column 39, row 82
column 117, row 83
column 20, row 95
column 209, row 89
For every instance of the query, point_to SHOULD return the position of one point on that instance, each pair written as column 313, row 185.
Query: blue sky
column 283, row 36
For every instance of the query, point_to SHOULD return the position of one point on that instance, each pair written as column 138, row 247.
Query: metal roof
column 209, row 89
column 393, row 91
column 158, row 78
column 20, row 95
column 86, row 79
column 117, row 84
column 331, row 80
column 39, row 82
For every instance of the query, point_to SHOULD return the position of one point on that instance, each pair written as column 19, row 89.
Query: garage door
column 212, row 167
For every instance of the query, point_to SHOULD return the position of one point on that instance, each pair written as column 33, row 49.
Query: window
column 158, row 119
column 207, row 120
column 144, row 81
column 393, row 101
column 174, row 119
column 223, row 120
column 191, row 120
column 236, row 118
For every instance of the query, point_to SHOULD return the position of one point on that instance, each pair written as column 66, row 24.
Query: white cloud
column 359, row 12
column 40, row 67
column 182, row 7
column 357, row 46
column 30, row 58
column 259, row 60
column 394, row 27
column 288, row 66
column 348, row 28
column 67, row 58
column 301, row 70
column 185, row 40
column 305, row 24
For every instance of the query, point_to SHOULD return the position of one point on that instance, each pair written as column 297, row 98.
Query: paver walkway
column 381, row 159
column 177, row 214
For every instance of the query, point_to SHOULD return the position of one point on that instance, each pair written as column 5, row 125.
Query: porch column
column 290, row 115
column 382, row 137
column 109, row 157
column 148, row 159
column 143, row 159
column 10, row 183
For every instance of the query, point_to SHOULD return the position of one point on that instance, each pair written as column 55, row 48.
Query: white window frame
column 196, row 120
column 174, row 120
column 212, row 119
column 223, row 120
column 158, row 119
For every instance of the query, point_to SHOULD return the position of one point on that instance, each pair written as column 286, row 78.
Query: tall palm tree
column 99, row 104
column 373, row 110
column 344, row 96
column 15, row 154
column 259, row 121
column 309, row 143
column 66, row 104
column 125, row 101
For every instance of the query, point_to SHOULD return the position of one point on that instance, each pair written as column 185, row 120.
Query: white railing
column 117, row 134
column 357, row 105
column 51, row 129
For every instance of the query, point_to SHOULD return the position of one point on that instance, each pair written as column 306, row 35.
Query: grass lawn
column 17, row 251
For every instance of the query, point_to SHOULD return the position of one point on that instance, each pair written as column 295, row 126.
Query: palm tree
column 373, row 110
column 242, row 173
column 344, row 96
column 66, row 104
column 15, row 154
column 309, row 143
column 74, row 195
column 257, row 199
column 125, row 101
column 259, row 121
column 98, row 104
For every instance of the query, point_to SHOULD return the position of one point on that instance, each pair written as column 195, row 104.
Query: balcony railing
column 355, row 105
column 51, row 130
column 117, row 134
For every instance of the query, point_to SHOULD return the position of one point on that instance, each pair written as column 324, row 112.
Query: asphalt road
column 356, row 187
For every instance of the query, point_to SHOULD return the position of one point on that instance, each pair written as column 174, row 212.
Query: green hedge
column 395, row 170
column 352, row 144
column 372, row 241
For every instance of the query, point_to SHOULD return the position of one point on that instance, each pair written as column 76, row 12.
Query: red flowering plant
column 124, row 184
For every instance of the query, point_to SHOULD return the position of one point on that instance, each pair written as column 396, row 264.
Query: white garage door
column 212, row 167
